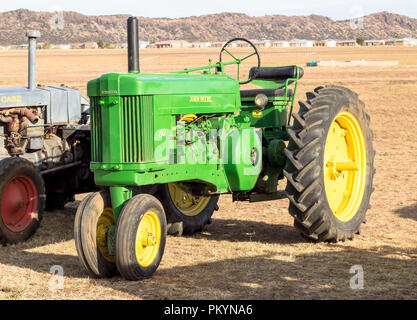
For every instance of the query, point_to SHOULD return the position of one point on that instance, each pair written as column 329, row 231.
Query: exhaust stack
column 32, row 36
column 133, row 44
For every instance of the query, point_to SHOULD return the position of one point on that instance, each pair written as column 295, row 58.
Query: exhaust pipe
column 133, row 44
column 32, row 35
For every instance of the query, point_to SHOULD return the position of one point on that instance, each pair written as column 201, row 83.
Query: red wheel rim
column 19, row 203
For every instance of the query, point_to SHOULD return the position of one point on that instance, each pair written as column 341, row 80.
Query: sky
column 335, row 9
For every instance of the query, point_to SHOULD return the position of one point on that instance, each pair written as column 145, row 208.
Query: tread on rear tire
column 304, row 170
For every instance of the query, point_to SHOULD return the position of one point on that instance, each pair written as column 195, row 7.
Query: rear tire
column 140, row 237
column 22, row 200
column 185, row 220
column 330, row 204
column 92, row 220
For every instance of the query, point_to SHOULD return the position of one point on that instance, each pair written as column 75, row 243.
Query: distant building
column 62, row 46
column 409, row 42
column 325, row 43
column 262, row 43
column 346, row 43
column 173, row 44
column 391, row 42
column 281, row 44
column 405, row 42
column 201, row 44
column 374, row 43
column 240, row 44
column 142, row 44
column 218, row 44
column 301, row 43
column 89, row 45
column 76, row 46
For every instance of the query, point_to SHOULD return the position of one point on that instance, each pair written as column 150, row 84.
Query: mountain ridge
column 79, row 28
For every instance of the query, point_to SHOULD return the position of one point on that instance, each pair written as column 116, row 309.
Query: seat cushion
column 268, row 92
column 276, row 73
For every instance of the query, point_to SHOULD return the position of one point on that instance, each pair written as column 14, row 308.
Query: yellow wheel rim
column 104, row 222
column 344, row 166
column 148, row 239
column 185, row 201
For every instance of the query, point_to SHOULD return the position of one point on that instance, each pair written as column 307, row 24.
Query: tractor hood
column 129, row 84
column 63, row 105
column 23, row 97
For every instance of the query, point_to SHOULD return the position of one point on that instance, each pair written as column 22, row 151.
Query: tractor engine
column 175, row 135
column 38, row 125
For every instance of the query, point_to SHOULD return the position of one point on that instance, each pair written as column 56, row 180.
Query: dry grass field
column 251, row 251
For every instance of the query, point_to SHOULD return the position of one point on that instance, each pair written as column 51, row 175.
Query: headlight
column 261, row 100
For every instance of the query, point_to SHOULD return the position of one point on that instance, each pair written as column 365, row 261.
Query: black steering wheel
column 252, row 74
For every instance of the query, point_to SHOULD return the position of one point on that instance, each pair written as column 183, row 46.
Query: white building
column 346, row 43
column 201, row 44
column 142, row 44
column 301, row 43
column 374, row 43
column 62, row 46
column 218, row 44
column 262, row 43
column 282, row 44
column 325, row 43
column 409, row 42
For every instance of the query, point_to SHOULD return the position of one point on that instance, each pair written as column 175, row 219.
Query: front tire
column 22, row 200
column 330, row 165
column 140, row 237
column 93, row 220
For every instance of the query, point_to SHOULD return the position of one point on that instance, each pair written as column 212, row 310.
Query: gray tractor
column 44, row 151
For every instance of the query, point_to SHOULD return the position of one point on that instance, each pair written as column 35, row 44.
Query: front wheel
column 140, row 237
column 330, row 165
column 93, row 220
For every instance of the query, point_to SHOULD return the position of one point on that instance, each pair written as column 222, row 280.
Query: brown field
column 251, row 251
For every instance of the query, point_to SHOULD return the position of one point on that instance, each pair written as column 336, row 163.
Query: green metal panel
column 130, row 84
column 147, row 128
column 244, row 158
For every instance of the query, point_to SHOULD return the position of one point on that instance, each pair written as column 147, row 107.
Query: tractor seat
column 276, row 73
column 268, row 92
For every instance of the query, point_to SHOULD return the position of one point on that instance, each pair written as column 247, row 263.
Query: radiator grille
column 137, row 128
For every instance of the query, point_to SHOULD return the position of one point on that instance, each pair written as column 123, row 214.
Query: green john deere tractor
column 165, row 146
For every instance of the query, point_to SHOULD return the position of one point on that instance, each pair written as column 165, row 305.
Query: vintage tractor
column 44, row 151
column 167, row 145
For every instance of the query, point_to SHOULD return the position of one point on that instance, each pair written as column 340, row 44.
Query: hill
column 214, row 27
